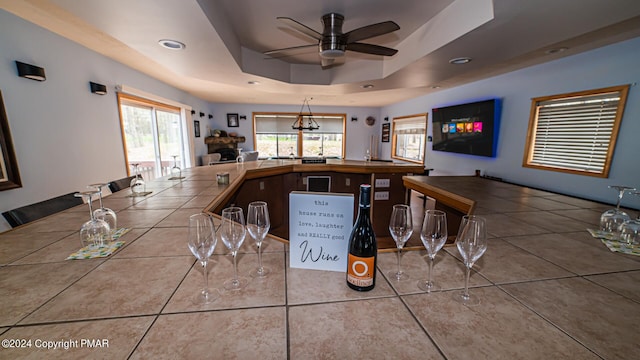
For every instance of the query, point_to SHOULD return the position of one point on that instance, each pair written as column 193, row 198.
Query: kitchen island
column 548, row 289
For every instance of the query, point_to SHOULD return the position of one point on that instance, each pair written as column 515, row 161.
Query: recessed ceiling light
column 253, row 82
column 367, row 86
column 460, row 60
column 171, row 44
column 556, row 50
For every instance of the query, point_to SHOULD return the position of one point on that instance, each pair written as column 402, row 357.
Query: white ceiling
column 225, row 40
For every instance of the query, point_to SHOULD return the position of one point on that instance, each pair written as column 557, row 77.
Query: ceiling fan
column 332, row 42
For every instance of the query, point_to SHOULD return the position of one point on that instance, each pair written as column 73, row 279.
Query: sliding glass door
column 153, row 134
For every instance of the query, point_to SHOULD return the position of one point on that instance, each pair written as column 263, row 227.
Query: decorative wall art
column 9, row 174
column 232, row 120
column 196, row 127
column 386, row 132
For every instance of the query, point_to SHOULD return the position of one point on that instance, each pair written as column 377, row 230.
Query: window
column 153, row 133
column 274, row 137
column 576, row 132
column 409, row 138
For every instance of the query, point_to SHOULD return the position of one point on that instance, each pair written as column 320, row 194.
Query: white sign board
column 319, row 229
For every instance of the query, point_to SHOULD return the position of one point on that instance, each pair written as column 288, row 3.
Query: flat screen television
column 470, row 128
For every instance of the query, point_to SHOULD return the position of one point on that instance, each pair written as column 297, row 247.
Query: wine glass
column 611, row 219
column 433, row 235
column 93, row 232
column 104, row 213
column 176, row 172
column 232, row 232
column 630, row 229
column 401, row 228
column 258, row 225
column 472, row 243
column 202, row 243
column 630, row 232
column 138, row 186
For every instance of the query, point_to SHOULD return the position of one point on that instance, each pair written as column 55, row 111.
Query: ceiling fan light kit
column 333, row 42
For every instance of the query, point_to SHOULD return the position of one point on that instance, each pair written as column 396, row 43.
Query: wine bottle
column 363, row 249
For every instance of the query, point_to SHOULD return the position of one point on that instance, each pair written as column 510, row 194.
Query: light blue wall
column 608, row 66
column 64, row 136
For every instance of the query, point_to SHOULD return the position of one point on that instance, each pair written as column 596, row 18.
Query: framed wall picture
column 232, row 120
column 386, row 132
column 9, row 174
column 196, row 127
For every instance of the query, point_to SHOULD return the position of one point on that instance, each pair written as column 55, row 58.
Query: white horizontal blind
column 275, row 124
column 413, row 125
column 328, row 124
column 575, row 133
column 281, row 124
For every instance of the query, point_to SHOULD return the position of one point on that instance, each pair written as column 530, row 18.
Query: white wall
column 612, row 65
column 358, row 133
column 64, row 136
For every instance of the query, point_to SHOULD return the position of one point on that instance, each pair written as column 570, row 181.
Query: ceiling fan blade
column 300, row 27
column 289, row 49
column 370, row 31
column 371, row 49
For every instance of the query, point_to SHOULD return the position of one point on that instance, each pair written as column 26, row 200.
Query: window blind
column 415, row 125
column 281, row 124
column 575, row 133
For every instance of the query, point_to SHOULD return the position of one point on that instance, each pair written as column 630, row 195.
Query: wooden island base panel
column 272, row 181
column 449, row 196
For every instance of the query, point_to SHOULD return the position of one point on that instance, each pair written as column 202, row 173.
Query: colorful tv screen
column 470, row 128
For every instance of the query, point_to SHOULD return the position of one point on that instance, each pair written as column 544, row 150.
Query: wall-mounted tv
column 470, row 128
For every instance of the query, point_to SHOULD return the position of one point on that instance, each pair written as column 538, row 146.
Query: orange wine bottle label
column 361, row 270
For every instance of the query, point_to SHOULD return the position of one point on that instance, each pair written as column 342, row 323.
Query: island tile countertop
column 548, row 289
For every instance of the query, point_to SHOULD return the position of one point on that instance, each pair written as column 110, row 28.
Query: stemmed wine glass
column 232, row 232
column 104, row 213
column 137, row 183
column 611, row 219
column 93, row 232
column 433, row 235
column 630, row 229
column 176, row 172
column 258, row 225
column 472, row 243
column 401, row 228
column 202, row 243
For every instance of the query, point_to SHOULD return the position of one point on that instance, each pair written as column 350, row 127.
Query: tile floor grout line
column 547, row 320
column 415, row 318
column 342, row 301
column 36, row 250
column 397, row 295
column 536, row 255
column 614, row 291
column 63, row 290
column 286, row 306
column 71, row 321
column 58, row 293
column 157, row 316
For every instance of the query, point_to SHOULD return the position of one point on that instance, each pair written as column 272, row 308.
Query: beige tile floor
column 547, row 291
